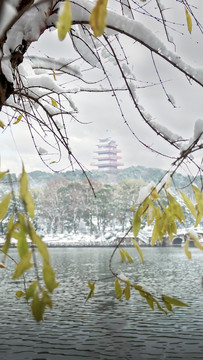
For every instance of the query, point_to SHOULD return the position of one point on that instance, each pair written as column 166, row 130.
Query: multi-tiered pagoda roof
column 107, row 155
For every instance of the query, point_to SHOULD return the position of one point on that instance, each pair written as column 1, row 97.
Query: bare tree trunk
column 6, row 89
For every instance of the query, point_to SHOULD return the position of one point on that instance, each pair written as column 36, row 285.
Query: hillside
column 40, row 178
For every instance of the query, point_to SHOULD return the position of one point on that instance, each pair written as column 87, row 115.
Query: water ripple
column 105, row 328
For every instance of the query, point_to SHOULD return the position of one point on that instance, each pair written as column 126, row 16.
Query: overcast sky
column 103, row 118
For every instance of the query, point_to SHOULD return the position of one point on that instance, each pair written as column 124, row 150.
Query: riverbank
column 103, row 240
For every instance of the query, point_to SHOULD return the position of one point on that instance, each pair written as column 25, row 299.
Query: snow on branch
column 139, row 32
column 197, row 137
column 34, row 84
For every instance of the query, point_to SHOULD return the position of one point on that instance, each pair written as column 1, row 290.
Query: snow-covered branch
column 35, row 84
column 140, row 33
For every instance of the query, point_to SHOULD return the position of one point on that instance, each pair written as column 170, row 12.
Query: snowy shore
column 109, row 239
column 77, row 240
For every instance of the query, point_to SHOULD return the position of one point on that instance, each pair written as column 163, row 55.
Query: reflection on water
column 105, row 328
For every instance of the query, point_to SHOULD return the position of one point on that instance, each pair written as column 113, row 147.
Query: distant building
column 107, row 156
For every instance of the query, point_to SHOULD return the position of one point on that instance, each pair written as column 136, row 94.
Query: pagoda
column 107, row 156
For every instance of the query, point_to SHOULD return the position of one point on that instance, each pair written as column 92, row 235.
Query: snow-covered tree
column 52, row 207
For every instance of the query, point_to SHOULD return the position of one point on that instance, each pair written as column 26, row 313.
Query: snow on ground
column 106, row 240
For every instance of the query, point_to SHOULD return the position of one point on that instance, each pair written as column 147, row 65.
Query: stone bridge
column 144, row 238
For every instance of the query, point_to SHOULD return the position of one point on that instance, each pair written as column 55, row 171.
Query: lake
column 106, row 328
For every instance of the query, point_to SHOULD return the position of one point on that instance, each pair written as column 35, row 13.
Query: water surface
column 105, row 328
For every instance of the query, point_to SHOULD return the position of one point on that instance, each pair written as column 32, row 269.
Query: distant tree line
column 69, row 206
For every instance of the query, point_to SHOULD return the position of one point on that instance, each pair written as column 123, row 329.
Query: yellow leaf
column 4, row 206
column 195, row 239
column 198, row 196
column 38, row 307
column 151, row 213
column 2, row 124
column 64, row 21
column 189, row 204
column 18, row 119
column 171, row 228
column 40, row 300
column 154, row 194
column 137, row 287
column 198, row 220
column 189, row 20
column 23, row 184
column 46, row 298
column 31, row 290
column 159, row 306
column 41, row 246
column 149, row 298
column 23, row 265
column 49, row 277
column 167, row 305
column 30, row 205
column 175, row 208
column 127, row 291
column 138, row 250
column 122, row 255
column 23, row 224
column 118, row 289
column 156, row 234
column 54, row 75
column 91, row 293
column 91, row 286
column 98, row 17
column 142, row 293
column 136, row 224
column 20, row 293
column 22, row 245
column 199, row 206
column 25, row 194
column 54, row 103
column 127, row 255
column 173, row 301
column 187, row 252
column 142, row 210
column 2, row 174
column 150, row 301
